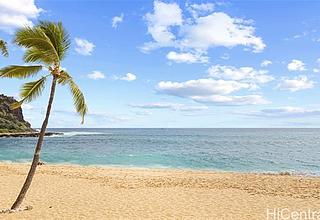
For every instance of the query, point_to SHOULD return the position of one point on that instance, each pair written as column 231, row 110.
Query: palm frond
column 63, row 78
column 29, row 91
column 4, row 48
column 20, row 72
column 78, row 97
column 34, row 37
column 16, row 105
column 34, row 55
column 57, row 35
column 78, row 100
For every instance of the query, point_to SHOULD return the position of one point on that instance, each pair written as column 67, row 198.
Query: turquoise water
column 258, row 150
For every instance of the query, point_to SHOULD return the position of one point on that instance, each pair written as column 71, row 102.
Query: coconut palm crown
column 3, row 48
column 46, row 45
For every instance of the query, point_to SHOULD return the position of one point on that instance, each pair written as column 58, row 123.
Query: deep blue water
column 258, row 150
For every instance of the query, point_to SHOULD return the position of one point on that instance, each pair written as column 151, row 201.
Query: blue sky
column 179, row 63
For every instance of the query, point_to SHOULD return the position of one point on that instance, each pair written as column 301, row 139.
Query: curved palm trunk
column 36, row 156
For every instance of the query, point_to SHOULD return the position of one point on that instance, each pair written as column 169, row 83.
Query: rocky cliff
column 12, row 121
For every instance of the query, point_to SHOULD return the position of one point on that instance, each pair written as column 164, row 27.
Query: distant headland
column 12, row 122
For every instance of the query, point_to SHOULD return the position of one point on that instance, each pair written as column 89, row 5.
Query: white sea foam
column 21, row 161
column 75, row 133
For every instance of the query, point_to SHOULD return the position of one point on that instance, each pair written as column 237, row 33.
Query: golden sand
column 76, row 192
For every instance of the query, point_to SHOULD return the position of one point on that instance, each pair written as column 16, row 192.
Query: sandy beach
column 76, row 192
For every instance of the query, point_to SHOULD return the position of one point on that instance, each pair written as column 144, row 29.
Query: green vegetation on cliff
column 12, row 121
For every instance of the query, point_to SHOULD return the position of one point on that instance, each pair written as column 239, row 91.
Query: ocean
column 239, row 150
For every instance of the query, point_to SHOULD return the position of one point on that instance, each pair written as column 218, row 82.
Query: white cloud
column 187, row 57
column 219, row 29
column 200, row 9
column 127, row 77
column 198, row 33
column 84, row 47
column 316, row 70
column 102, row 116
column 17, row 13
column 247, row 74
column 172, row 106
column 116, row 20
column 93, row 119
column 266, row 63
column 218, row 89
column 143, row 113
column 297, row 83
column 160, row 22
column 211, row 91
column 232, row 100
column 286, row 111
column 200, row 87
column 296, row 65
column 96, row 75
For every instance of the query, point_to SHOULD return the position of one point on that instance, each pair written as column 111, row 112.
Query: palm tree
column 46, row 45
column 3, row 48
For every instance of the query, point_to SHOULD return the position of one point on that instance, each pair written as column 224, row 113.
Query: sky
column 178, row 63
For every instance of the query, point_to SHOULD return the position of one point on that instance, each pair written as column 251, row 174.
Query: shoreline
column 75, row 191
column 27, row 134
column 164, row 168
